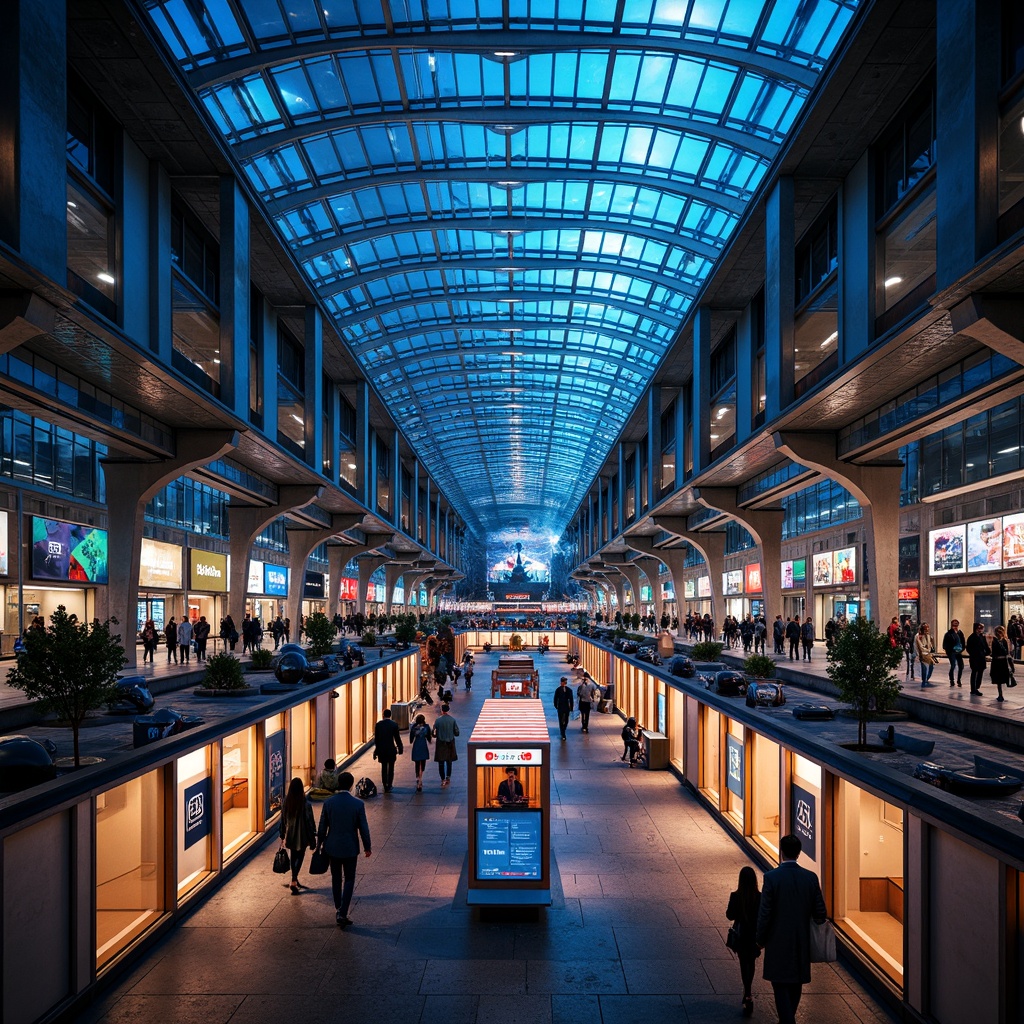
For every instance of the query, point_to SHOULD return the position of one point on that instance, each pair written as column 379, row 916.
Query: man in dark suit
column 790, row 900
column 563, row 705
column 387, row 745
column 342, row 825
column 511, row 790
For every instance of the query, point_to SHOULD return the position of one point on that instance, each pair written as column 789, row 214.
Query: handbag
column 732, row 938
column 823, row 943
column 319, row 862
column 282, row 862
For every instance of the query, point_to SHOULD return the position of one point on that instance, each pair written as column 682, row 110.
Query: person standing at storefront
column 277, row 629
column 228, row 633
column 184, row 641
column 563, row 705
column 978, row 651
column 387, row 745
column 201, row 633
column 1002, row 662
column 171, row 638
column 793, row 636
column 953, row 644
column 924, row 645
column 807, row 637
column 790, row 900
column 779, row 635
column 149, row 641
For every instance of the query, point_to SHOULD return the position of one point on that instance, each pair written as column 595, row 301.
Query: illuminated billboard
column 68, row 552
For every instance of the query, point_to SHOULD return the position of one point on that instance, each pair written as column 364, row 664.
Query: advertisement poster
column 315, row 585
column 787, row 576
column 734, row 765
column 68, row 552
column 208, row 571
column 645, row 593
column 732, row 581
column 275, row 580
column 947, row 550
column 668, row 591
column 349, row 589
column 378, row 593
column 689, row 589
column 805, row 816
column 3, row 544
column 703, row 586
column 275, row 772
column 508, row 845
column 198, row 819
column 799, row 572
column 160, row 565
column 1013, row 542
column 823, row 570
column 985, row 545
column 752, row 584
column 844, row 565
column 255, row 584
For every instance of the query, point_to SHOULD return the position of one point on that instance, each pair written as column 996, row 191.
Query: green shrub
column 706, row 650
column 369, row 639
column 760, row 666
column 261, row 659
column 224, row 672
column 405, row 631
column 320, row 634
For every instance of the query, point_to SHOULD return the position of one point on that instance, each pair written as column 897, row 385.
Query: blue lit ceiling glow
column 508, row 206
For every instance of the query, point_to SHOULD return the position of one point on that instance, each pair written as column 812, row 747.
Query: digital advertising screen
column 752, row 578
column 690, row 589
column 3, row 543
column 947, row 550
column 844, row 565
column 255, row 584
column 1013, row 542
column 275, row 580
column 985, row 545
column 68, row 552
column 519, row 556
column 703, row 586
column 823, row 570
column 788, row 583
column 732, row 582
column 508, row 844
column 160, row 565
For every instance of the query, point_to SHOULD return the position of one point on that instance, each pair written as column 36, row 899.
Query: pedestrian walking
column 297, row 829
column 953, row 644
column 588, row 693
column 387, row 745
column 184, row 641
column 419, row 741
column 201, row 633
column 445, row 731
column 342, row 826
column 563, row 705
column 228, row 633
column 924, row 645
column 1002, row 662
column 171, row 639
column 978, row 651
column 744, row 904
column 790, row 900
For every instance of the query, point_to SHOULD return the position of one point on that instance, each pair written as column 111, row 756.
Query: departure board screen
column 508, row 844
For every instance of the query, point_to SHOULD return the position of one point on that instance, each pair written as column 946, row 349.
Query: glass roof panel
column 507, row 208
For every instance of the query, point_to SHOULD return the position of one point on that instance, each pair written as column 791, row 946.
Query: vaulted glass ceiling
column 508, row 206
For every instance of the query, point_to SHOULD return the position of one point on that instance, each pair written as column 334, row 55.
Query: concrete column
column 130, row 485
column 700, row 402
column 779, row 298
column 313, row 400
column 367, row 567
column 649, row 563
column 337, row 558
column 300, row 543
column 877, row 487
column 765, row 526
column 245, row 522
column 711, row 546
column 33, row 134
column 393, row 572
column 234, row 297
column 967, row 79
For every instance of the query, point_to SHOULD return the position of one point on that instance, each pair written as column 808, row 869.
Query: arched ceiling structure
column 508, row 206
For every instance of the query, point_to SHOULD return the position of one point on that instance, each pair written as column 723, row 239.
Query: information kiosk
column 509, row 806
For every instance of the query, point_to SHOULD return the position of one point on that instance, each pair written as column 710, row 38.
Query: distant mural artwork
column 518, row 556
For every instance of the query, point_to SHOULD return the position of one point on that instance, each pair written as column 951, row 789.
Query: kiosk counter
column 510, row 806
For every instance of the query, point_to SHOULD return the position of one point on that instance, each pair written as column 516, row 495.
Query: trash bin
column 666, row 644
column 400, row 715
column 146, row 729
column 607, row 705
column 657, row 749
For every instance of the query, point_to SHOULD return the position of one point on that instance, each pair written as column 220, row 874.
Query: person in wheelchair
column 632, row 743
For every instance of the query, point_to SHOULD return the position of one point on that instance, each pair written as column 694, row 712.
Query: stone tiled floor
column 635, row 933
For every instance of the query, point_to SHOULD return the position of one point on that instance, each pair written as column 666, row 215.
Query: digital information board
column 508, row 844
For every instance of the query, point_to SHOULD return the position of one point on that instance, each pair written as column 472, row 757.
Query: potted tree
column 320, row 634
column 223, row 678
column 70, row 668
column 861, row 662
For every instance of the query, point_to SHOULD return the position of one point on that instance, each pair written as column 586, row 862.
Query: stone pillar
column 765, row 526
column 711, row 545
column 300, row 543
column 367, row 567
column 393, row 572
column 130, row 485
column 876, row 486
column 245, row 522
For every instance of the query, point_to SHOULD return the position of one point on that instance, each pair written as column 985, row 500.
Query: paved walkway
column 641, row 877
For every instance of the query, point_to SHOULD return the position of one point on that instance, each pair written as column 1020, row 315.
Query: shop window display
column 303, row 761
column 129, row 863
column 711, row 753
column 194, row 816
column 238, row 790
column 869, row 873
column 764, row 794
column 735, row 773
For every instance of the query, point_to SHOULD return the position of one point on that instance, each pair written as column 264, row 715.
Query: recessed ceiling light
column 105, row 277
column 890, row 281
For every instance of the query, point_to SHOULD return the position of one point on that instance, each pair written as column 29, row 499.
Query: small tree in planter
column 262, row 660
column 405, row 630
column 224, row 672
column 760, row 666
column 860, row 663
column 369, row 639
column 70, row 668
column 320, row 634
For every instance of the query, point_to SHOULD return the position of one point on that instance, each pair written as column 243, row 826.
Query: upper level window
column 291, row 386
column 195, row 254
column 906, row 213
column 668, row 448
column 723, row 395
column 816, row 328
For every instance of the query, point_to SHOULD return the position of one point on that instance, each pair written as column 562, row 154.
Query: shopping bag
column 282, row 863
column 823, row 943
column 319, row 863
